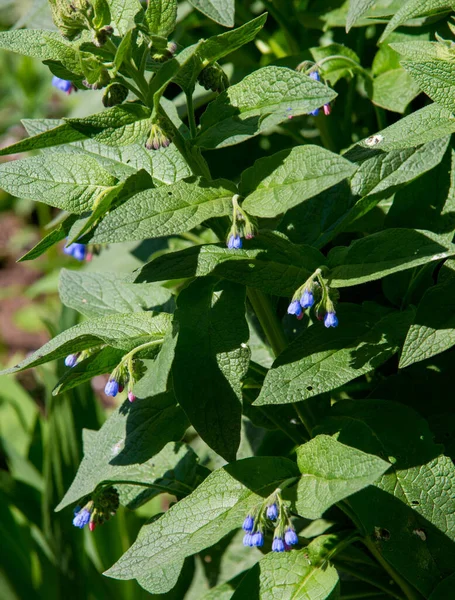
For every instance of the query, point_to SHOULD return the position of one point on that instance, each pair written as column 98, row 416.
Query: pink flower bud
column 131, row 397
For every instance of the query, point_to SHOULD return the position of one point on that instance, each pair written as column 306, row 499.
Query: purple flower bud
column 234, row 242
column 290, row 537
column 272, row 512
column 330, row 320
column 327, row 109
column 258, row 539
column 71, row 360
column 248, row 524
column 62, row 84
column 315, row 75
column 81, row 518
column 294, row 308
column 307, row 299
column 248, row 540
column 278, row 545
column 111, row 388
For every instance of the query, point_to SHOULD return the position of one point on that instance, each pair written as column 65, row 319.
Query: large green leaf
column 416, row 8
column 284, row 180
column 123, row 13
column 119, row 331
column 132, row 448
column 330, row 472
column 356, row 9
column 70, row 183
column 322, row 359
column 166, row 210
column 161, row 16
column 211, row 359
column 394, row 90
column 409, row 514
column 433, row 330
column 97, row 294
column 298, row 575
column 273, row 265
column 383, row 253
column 221, row 11
column 262, row 100
column 215, row 508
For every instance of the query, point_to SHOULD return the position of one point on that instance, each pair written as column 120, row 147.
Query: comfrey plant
column 230, row 185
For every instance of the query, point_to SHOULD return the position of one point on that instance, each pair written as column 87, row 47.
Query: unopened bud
column 115, row 93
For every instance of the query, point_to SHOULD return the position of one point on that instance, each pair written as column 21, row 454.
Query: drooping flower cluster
column 270, row 514
column 242, row 226
column 327, row 110
column 304, row 298
column 97, row 509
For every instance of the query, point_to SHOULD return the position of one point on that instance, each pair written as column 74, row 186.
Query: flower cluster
column 271, row 514
column 304, row 298
column 124, row 374
column 158, row 137
column 97, row 509
column 327, row 110
column 242, row 226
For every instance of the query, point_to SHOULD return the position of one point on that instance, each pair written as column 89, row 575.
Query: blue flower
column 78, row 251
column 330, row 320
column 278, row 545
column 307, row 299
column 234, row 242
column 290, row 537
column 81, row 518
column 111, row 388
column 248, row 540
column 294, row 308
column 248, row 524
column 314, row 113
column 272, row 512
column 257, row 539
column 315, row 75
column 71, row 360
column 62, row 84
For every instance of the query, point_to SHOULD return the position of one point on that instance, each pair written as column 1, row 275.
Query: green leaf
column 425, row 125
column 274, row 266
column 356, row 9
column 118, row 126
column 119, row 331
column 220, row 11
column 436, row 78
column 321, row 360
column 165, row 166
column 71, row 185
column 383, row 253
column 444, row 589
column 416, row 8
column 297, row 575
column 166, row 210
column 132, row 447
column 97, row 294
column 54, row 237
column 259, row 102
column 331, row 472
column 279, row 182
column 409, row 513
column 123, row 13
column 197, row 522
column 41, row 44
column 394, row 90
column 211, row 359
column 161, row 16
column 433, row 330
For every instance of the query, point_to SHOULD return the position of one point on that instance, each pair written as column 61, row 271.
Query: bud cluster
column 72, row 17
column 242, row 226
column 315, row 292
column 97, row 509
column 311, row 69
column 270, row 514
column 158, row 137
column 125, row 374
column 213, row 78
column 161, row 50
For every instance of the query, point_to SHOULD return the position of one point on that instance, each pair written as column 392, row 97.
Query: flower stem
column 191, row 116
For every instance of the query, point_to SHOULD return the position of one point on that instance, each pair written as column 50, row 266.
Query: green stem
column 341, row 566
column 267, row 318
column 191, row 116
column 134, row 351
column 409, row 591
